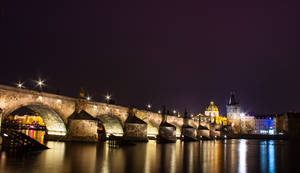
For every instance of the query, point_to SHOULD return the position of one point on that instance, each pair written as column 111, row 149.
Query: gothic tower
column 233, row 114
column 233, row 108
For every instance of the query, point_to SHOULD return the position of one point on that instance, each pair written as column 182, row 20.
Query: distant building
column 234, row 114
column 233, row 108
column 247, row 124
column 288, row 124
column 264, row 124
column 212, row 110
column 212, row 114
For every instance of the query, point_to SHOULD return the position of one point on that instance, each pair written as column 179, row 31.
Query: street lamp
column 40, row 83
column 159, row 111
column 174, row 111
column 20, row 84
column 148, row 106
column 107, row 98
column 88, row 98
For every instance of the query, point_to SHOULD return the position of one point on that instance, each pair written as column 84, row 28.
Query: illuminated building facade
column 212, row 113
column 264, row 124
column 212, row 110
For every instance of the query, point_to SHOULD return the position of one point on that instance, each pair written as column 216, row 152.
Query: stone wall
column 167, row 132
column 135, row 132
column 189, row 132
column 203, row 134
column 13, row 98
column 82, row 130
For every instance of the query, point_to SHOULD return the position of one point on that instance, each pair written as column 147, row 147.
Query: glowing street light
column 107, row 98
column 174, row 111
column 148, row 106
column 20, row 84
column 159, row 111
column 88, row 98
column 40, row 83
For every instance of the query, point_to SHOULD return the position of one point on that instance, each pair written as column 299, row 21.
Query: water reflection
column 271, row 156
column 242, row 156
column 267, row 156
column 38, row 135
column 205, row 156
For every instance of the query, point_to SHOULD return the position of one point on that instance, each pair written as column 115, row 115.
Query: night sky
column 182, row 54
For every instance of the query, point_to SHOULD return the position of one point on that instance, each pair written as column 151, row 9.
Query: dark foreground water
column 206, row 156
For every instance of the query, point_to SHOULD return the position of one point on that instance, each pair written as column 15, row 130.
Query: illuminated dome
column 212, row 107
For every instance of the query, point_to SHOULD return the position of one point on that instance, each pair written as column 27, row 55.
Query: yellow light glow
column 151, row 135
column 40, row 98
column 95, row 107
column 58, row 133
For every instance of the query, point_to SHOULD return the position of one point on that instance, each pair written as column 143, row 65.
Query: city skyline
column 40, row 85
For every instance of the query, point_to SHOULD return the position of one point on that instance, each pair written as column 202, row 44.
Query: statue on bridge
column 81, row 102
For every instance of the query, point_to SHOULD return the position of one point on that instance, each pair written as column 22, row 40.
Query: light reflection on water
column 35, row 134
column 271, row 156
column 242, row 156
column 205, row 156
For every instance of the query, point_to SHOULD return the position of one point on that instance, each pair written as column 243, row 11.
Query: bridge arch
column 53, row 121
column 112, row 124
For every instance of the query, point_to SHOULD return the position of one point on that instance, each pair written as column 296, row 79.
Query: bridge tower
column 233, row 113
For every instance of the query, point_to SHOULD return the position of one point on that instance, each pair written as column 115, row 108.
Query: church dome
column 212, row 107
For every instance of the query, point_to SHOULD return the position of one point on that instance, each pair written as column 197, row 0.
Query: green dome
column 212, row 107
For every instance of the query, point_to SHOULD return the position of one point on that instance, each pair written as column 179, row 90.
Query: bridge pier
column 188, row 132
column 203, row 133
column 135, row 129
column 82, row 127
column 167, row 131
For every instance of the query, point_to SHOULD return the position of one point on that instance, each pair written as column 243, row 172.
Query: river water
column 206, row 156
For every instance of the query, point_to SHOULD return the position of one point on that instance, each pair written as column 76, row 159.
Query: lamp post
column 20, row 84
column 107, row 98
column 40, row 83
column 149, row 107
column 174, row 112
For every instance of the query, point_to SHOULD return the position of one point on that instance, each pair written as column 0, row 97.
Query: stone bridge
column 55, row 110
